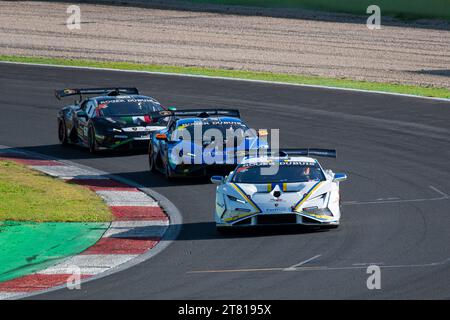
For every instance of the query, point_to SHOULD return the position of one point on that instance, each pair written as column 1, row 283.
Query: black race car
column 115, row 118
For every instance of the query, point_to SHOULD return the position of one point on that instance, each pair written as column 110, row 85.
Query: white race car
column 289, row 188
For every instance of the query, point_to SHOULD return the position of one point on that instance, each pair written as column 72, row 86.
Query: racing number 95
column 253, row 309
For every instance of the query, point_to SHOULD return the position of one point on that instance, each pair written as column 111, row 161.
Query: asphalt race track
column 396, row 211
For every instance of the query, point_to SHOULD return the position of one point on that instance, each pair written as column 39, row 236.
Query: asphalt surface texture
column 396, row 213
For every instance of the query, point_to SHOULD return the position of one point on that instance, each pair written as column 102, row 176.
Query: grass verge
column 28, row 195
column 28, row 247
column 240, row 74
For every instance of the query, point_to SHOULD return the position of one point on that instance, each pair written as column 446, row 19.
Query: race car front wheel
column 62, row 132
column 92, row 141
column 168, row 172
column 151, row 160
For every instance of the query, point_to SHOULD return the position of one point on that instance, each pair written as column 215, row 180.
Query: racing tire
column 151, row 161
column 62, row 133
column 168, row 173
column 93, row 149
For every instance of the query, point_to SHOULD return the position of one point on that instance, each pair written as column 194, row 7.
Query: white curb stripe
column 136, row 229
column 96, row 264
column 65, row 171
column 89, row 264
column 7, row 295
column 83, row 177
column 127, row 198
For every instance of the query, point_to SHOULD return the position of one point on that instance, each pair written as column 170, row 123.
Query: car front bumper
column 276, row 220
column 125, row 142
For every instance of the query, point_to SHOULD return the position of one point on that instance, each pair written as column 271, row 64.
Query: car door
column 86, row 112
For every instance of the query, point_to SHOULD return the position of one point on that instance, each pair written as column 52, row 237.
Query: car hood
column 206, row 151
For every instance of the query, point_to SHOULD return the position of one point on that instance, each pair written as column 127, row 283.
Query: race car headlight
column 236, row 199
column 318, row 211
column 319, row 197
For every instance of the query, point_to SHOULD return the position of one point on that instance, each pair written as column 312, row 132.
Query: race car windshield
column 238, row 129
column 286, row 173
column 128, row 108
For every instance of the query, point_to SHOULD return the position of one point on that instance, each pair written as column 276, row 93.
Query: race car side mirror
column 172, row 108
column 161, row 136
column 263, row 132
column 217, row 179
column 339, row 177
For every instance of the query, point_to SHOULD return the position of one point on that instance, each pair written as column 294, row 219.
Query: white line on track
column 367, row 264
column 440, row 192
column 237, row 270
column 325, row 268
column 443, row 196
column 295, row 266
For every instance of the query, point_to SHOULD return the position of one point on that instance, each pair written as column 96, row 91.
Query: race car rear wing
column 200, row 113
column 330, row 153
column 100, row 91
column 294, row 152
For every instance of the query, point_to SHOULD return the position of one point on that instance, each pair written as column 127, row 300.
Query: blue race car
column 201, row 142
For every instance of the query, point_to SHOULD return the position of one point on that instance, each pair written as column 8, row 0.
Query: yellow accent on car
column 246, row 198
column 319, row 216
column 307, row 196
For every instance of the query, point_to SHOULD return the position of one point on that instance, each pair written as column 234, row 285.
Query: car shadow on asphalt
column 148, row 179
column 74, row 152
column 207, row 231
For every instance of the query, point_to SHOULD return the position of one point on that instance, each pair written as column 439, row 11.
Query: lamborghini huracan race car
column 116, row 118
column 287, row 188
column 199, row 142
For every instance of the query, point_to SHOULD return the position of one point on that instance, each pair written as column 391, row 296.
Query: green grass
column 402, row 9
column 241, row 74
column 28, row 195
column 27, row 247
